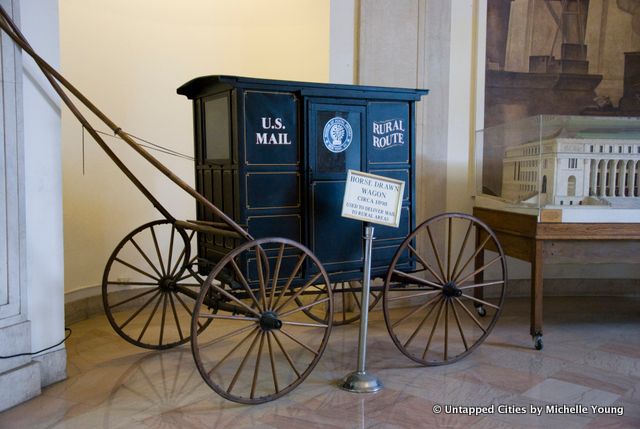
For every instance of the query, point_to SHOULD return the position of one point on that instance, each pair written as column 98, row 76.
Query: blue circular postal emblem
column 337, row 134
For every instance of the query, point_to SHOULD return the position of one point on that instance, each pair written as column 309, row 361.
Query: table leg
column 478, row 292
column 536, row 294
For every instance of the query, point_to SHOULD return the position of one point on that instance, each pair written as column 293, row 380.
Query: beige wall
column 129, row 57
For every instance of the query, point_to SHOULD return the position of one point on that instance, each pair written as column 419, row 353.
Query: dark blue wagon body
column 274, row 155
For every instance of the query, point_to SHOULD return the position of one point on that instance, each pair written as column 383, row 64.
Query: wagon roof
column 206, row 85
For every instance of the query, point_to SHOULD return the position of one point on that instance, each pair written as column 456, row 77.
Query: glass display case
column 562, row 168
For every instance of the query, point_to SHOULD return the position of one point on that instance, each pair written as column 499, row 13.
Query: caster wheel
column 537, row 342
column 481, row 311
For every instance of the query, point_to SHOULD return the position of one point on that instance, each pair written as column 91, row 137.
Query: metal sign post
column 376, row 199
column 360, row 381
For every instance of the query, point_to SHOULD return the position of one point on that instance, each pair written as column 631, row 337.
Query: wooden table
column 523, row 237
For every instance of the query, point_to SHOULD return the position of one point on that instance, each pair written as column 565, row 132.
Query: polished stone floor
column 591, row 357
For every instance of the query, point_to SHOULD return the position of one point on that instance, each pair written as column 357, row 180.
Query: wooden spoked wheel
column 262, row 343
column 346, row 303
column 429, row 310
column 150, row 285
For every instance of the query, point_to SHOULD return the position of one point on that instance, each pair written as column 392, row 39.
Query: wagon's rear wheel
column 429, row 310
column 346, row 303
column 150, row 284
column 262, row 344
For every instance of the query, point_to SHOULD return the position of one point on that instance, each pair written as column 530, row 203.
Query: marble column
column 592, row 177
column 622, row 177
column 20, row 375
column 603, row 178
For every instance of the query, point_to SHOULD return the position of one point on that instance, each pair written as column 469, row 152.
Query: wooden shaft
column 19, row 39
column 14, row 32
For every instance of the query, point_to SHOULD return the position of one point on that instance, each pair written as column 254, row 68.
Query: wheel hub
column 451, row 290
column 269, row 320
column 167, row 284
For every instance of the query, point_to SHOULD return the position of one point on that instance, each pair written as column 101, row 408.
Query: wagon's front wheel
column 262, row 343
column 429, row 303
column 150, row 284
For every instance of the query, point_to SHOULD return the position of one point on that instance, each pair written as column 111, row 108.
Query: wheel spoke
column 425, row 264
column 286, row 355
column 300, row 343
column 488, row 304
column 233, row 298
column 497, row 282
column 133, row 283
column 276, row 273
column 228, row 335
column 273, row 365
column 344, row 306
column 464, row 307
column 295, row 295
column 471, row 258
column 414, row 311
column 139, row 310
column 435, row 251
column 462, row 247
column 291, row 277
column 243, row 281
column 395, row 298
column 222, row 316
column 312, row 325
column 355, row 298
column 446, row 329
column 313, row 304
column 155, row 243
column 186, row 307
column 164, row 315
column 146, row 258
column 244, row 360
column 175, row 316
column 236, row 347
column 126, row 264
column 261, row 280
column 173, row 232
column 182, row 254
column 146, row 325
column 133, row 297
column 455, row 314
column 255, row 373
column 449, row 244
column 417, row 280
column 433, row 330
column 422, row 322
column 482, row 268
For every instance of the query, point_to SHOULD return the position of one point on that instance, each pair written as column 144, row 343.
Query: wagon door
column 335, row 135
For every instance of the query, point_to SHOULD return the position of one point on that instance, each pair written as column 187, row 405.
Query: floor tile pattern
column 591, row 356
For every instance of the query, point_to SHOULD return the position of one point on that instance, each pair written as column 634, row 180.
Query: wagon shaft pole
column 52, row 76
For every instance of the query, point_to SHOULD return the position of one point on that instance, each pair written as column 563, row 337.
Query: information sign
column 372, row 198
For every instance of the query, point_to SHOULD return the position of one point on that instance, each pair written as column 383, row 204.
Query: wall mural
column 570, row 57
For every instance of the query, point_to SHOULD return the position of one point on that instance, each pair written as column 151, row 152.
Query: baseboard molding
column 53, row 366
column 82, row 304
column 19, row 384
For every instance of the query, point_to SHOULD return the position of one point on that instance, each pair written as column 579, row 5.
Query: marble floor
column 591, row 357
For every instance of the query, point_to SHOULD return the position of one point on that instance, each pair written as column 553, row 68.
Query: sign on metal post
column 371, row 199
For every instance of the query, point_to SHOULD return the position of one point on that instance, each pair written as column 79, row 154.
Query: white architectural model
column 573, row 171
